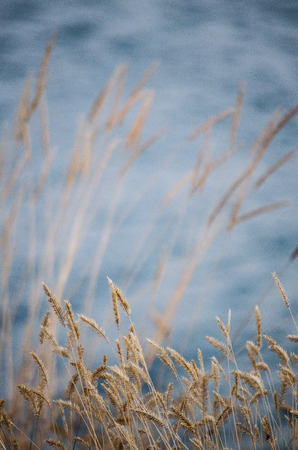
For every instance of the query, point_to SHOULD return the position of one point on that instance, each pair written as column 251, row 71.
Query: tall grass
column 118, row 406
column 46, row 221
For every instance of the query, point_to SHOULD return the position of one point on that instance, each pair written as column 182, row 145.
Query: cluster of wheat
column 118, row 406
column 44, row 224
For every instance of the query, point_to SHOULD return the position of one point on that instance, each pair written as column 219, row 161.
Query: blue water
column 205, row 49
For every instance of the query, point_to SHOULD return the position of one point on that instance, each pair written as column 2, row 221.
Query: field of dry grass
column 57, row 395
column 118, row 406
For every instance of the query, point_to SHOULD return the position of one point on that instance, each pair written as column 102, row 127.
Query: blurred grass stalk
column 109, row 139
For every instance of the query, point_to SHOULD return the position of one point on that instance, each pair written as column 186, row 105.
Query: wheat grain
column 41, row 367
column 280, row 288
column 259, row 327
column 293, row 337
column 56, row 444
column 94, row 326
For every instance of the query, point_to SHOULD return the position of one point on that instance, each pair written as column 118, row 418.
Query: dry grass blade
column 200, row 358
column 252, row 380
column 22, row 114
column 220, row 346
column 82, row 441
column 254, row 348
column 41, row 82
column 145, row 78
column 3, row 151
column 224, row 414
column 294, row 254
column 294, row 412
column 45, row 334
column 211, row 122
column 138, row 150
column 117, row 294
column 224, row 200
column 225, row 330
column 185, row 422
column 115, row 305
column 293, row 337
column 34, row 397
column 268, row 430
column 44, row 325
column 120, row 353
column 211, row 167
column 164, row 357
column 100, row 100
column 284, row 120
column 58, row 310
column 285, row 298
column 257, row 212
column 41, row 367
column 281, row 290
column 183, row 363
column 262, row 366
column 119, row 89
column 135, row 132
column 45, row 129
column 43, row 177
column 75, row 163
column 133, row 98
column 72, row 325
column 4, row 419
column 56, row 444
column 280, row 352
column 155, row 345
column 94, row 327
column 71, row 387
column 61, row 351
column 46, row 290
column 117, row 118
column 259, row 327
column 237, row 114
column 177, row 188
column 274, row 168
column 258, row 150
column 275, row 124
column 147, row 415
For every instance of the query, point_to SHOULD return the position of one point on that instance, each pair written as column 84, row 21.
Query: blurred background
column 204, row 50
